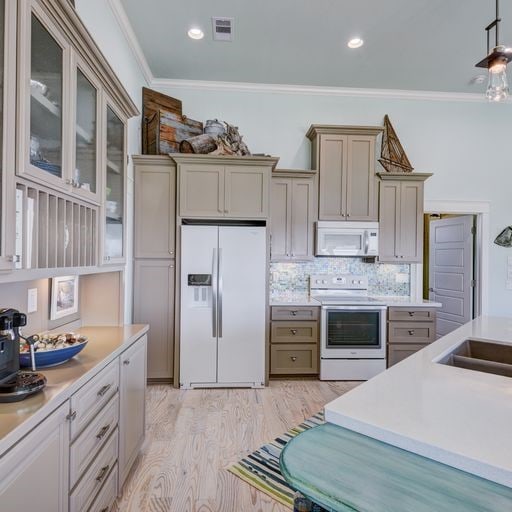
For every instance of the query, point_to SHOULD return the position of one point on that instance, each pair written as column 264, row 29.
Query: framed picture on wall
column 64, row 297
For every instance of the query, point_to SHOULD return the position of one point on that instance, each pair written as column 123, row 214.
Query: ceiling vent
column 223, row 29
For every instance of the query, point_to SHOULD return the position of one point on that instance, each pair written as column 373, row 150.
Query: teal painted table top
column 346, row 471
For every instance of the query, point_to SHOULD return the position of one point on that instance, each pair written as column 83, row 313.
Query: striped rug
column 261, row 468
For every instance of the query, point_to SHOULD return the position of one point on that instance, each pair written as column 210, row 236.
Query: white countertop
column 459, row 417
column 303, row 299
column 104, row 345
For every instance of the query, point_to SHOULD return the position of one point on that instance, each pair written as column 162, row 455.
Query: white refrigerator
column 223, row 292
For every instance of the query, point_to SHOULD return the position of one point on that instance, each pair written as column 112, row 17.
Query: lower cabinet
column 78, row 458
column 294, row 340
column 132, row 417
column 34, row 474
column 153, row 304
column 409, row 330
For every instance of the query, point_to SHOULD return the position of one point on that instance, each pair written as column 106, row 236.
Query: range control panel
column 338, row 282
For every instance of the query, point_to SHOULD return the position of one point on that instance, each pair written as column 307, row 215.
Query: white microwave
column 347, row 239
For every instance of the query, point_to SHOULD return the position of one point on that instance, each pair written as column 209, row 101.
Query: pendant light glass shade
column 497, row 87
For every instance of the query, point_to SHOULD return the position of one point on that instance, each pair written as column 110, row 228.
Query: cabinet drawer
column 87, row 445
column 93, row 396
column 412, row 332
column 294, row 332
column 411, row 314
column 294, row 359
column 108, row 493
column 397, row 353
column 92, row 481
column 295, row 313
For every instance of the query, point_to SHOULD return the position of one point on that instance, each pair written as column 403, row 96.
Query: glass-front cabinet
column 85, row 174
column 115, row 183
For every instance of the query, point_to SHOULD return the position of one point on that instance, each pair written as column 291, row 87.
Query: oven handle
column 355, row 308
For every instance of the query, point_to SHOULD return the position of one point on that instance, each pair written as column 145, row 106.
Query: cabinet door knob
column 71, row 416
column 126, row 362
column 293, row 358
column 102, row 432
column 102, row 473
column 411, row 313
column 293, row 331
column 293, row 313
column 411, row 332
column 104, row 389
column 348, row 214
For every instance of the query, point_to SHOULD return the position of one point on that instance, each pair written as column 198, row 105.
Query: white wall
column 103, row 26
column 467, row 145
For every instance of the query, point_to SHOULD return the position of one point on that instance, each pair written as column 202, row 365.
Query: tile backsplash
column 293, row 277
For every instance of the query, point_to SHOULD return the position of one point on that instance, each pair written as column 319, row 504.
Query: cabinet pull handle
column 104, row 389
column 293, row 331
column 411, row 313
column 102, row 473
column 126, row 362
column 293, row 313
column 102, row 432
column 71, row 416
column 411, row 332
column 293, row 358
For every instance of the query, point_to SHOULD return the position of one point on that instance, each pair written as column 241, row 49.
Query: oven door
column 353, row 332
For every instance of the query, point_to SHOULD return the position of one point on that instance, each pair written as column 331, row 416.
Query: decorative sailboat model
column 392, row 154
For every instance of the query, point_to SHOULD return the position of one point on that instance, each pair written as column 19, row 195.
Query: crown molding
column 314, row 90
column 128, row 32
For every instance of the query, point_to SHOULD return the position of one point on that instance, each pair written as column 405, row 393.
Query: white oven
column 353, row 332
column 347, row 238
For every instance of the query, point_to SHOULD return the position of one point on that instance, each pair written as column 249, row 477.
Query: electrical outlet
column 32, row 300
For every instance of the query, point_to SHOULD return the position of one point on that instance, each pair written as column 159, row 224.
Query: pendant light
column 496, row 63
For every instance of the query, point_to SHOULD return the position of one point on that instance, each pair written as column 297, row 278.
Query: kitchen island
column 453, row 423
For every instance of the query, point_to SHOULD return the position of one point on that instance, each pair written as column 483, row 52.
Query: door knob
column 293, row 331
column 431, row 289
column 411, row 332
column 293, row 313
column 293, row 358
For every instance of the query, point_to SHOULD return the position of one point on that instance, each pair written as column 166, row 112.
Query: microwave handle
column 366, row 241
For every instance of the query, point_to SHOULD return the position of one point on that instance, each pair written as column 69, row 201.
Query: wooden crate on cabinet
column 224, row 186
column 401, row 217
column 345, row 157
column 293, row 212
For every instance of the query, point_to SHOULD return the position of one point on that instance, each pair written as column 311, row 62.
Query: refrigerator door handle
column 219, row 296
column 214, row 293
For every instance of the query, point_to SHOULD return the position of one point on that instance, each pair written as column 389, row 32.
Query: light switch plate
column 32, row 300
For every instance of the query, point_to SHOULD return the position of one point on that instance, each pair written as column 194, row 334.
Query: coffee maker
column 15, row 385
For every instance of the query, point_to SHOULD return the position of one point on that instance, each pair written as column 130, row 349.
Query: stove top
column 341, row 290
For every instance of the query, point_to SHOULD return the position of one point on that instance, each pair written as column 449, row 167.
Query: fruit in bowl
column 51, row 349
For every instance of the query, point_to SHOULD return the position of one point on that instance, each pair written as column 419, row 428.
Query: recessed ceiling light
column 356, row 42
column 195, row 33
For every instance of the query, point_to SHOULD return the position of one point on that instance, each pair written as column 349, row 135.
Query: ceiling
column 429, row 45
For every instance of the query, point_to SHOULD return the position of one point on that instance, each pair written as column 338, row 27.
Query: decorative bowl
column 52, row 357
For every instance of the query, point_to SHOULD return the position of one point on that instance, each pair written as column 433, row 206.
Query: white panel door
column 242, row 292
column 198, row 339
column 451, row 271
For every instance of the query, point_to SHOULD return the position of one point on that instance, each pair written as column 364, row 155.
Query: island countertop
column 104, row 345
column 459, row 417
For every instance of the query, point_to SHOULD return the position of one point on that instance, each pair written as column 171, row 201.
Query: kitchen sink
column 481, row 356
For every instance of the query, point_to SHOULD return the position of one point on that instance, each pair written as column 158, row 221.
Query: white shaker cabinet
column 34, row 474
column 132, row 418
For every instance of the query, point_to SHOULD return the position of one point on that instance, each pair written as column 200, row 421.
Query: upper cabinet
column 293, row 213
column 401, row 217
column 345, row 159
column 64, row 197
column 115, row 193
column 224, row 186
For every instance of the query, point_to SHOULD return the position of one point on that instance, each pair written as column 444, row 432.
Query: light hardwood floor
column 192, row 436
